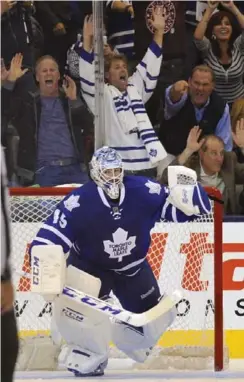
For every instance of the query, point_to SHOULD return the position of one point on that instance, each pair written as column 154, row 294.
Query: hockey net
column 185, row 256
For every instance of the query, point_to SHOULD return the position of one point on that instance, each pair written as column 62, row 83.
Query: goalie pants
column 136, row 293
column 9, row 346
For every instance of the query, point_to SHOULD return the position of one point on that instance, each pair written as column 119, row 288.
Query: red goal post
column 177, row 255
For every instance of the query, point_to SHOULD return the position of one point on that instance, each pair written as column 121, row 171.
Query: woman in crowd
column 221, row 49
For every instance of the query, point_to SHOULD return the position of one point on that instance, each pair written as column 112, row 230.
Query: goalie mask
column 106, row 169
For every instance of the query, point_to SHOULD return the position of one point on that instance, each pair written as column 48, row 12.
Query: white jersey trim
column 57, row 233
column 129, row 266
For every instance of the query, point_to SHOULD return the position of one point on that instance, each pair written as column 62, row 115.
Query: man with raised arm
column 127, row 126
column 194, row 103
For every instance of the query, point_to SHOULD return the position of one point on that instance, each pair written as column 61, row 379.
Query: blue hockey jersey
column 112, row 235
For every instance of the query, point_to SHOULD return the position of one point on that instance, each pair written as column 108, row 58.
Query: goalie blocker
column 88, row 323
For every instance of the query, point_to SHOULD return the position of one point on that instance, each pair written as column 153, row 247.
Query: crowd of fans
column 173, row 94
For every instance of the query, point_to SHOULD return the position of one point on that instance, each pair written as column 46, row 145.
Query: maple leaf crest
column 153, row 152
column 154, row 188
column 72, row 202
column 120, row 246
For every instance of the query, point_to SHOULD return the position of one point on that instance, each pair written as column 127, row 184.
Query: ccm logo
column 35, row 271
column 70, row 313
column 91, row 301
column 233, row 269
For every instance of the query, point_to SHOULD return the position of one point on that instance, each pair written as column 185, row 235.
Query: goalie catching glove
column 186, row 193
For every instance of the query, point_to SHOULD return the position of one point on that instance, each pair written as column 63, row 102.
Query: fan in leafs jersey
column 105, row 224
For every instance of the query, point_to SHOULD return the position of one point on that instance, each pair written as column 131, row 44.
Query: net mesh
column 181, row 257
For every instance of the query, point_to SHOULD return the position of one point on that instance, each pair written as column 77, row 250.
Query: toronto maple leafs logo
column 72, row 202
column 154, row 188
column 153, row 152
column 121, row 245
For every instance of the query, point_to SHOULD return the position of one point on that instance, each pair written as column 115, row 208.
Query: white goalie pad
column 48, row 267
column 86, row 331
column 137, row 343
column 71, row 307
column 82, row 281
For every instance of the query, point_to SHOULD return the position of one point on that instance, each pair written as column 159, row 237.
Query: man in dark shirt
column 51, row 124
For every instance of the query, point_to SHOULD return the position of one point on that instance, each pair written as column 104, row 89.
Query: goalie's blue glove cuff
column 201, row 199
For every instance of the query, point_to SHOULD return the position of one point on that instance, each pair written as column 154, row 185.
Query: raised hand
column 107, row 51
column 69, row 87
column 228, row 4
column 158, row 19
column 7, row 5
column 16, row 71
column 181, row 87
column 238, row 135
column 59, row 29
column 88, row 27
column 4, row 72
column 129, row 8
column 88, row 33
column 178, row 90
column 193, row 144
column 213, row 4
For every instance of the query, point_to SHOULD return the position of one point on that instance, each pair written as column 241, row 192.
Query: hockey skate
column 96, row 373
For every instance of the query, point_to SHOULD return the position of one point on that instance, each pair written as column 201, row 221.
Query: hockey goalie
column 96, row 242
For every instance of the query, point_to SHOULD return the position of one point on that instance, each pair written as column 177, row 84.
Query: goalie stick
column 134, row 319
column 48, row 275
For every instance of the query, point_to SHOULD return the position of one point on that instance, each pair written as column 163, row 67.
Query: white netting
column 181, row 256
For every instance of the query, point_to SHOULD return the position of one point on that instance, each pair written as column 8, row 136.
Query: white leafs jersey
column 111, row 236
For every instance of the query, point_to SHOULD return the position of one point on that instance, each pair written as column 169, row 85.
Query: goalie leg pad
column 86, row 332
column 80, row 280
column 87, row 336
column 137, row 343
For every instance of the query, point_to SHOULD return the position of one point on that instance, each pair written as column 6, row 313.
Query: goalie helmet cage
column 31, row 206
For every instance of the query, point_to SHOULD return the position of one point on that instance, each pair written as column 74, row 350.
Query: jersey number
column 59, row 219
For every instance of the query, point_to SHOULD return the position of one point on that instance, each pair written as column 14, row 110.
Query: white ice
column 122, row 376
column 234, row 374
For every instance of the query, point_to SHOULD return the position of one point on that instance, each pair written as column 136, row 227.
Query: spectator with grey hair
column 215, row 167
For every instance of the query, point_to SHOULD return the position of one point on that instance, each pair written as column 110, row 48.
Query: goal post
column 185, row 256
column 218, row 280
